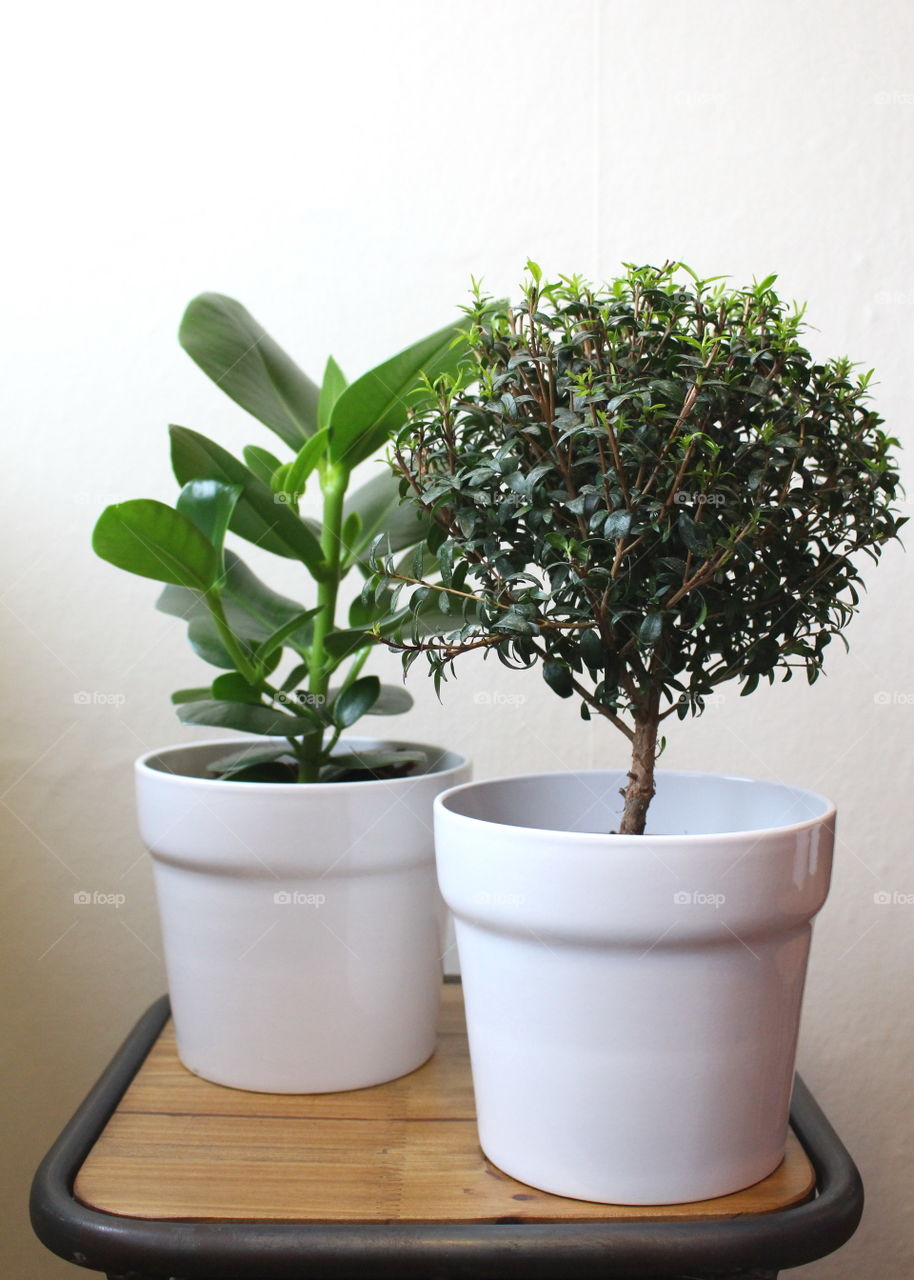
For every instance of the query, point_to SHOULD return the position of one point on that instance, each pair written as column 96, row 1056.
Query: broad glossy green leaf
column 345, row 643
column 248, row 756
column 155, row 541
column 355, row 701
column 247, row 718
column 393, row 700
column 206, row 643
column 259, row 515
column 378, row 505
column 209, row 503
column 332, row 387
column 232, row 687
column 348, row 762
column 254, row 610
column 229, row 345
column 373, row 407
column 261, row 462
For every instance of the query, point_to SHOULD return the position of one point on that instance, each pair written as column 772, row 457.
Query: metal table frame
column 754, row 1247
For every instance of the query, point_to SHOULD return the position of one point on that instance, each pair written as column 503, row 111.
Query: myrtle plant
column 648, row 488
column 235, row 621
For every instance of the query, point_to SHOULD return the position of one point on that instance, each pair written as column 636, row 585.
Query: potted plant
column 294, row 870
column 647, row 489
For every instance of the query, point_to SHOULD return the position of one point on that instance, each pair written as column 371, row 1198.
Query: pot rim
column 143, row 767
column 825, row 817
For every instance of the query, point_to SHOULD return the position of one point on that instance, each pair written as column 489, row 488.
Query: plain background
column 342, row 170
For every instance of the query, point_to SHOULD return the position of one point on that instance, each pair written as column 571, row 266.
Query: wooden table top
column 180, row 1148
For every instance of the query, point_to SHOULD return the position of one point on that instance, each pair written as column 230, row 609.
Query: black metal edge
column 511, row 1251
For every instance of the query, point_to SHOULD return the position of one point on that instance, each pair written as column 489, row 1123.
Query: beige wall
column 343, row 170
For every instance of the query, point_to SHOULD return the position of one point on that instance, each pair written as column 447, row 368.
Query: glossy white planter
column 301, row 924
column 633, row 1002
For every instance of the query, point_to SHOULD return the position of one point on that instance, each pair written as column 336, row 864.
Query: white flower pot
column 633, row 1002
column 301, row 923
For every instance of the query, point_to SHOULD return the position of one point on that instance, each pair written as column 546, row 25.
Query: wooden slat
column 179, row 1147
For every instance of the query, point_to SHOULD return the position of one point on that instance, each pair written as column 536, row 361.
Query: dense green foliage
column 235, row 621
column 649, row 488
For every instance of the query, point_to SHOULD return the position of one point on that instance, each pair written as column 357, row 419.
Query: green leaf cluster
column 236, row 622
column 648, row 488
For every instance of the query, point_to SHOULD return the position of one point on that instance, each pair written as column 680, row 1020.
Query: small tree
column 650, row 488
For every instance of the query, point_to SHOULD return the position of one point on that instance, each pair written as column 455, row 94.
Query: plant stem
column 640, row 789
column 334, row 481
column 232, row 647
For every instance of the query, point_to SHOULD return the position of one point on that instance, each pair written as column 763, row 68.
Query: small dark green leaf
column 558, row 677
column 695, row 538
column 592, row 651
column 651, row 628
column 355, row 701
column 617, row 524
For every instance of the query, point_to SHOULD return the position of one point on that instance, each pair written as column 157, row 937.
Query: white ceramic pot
column 633, row 1002
column 302, row 924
